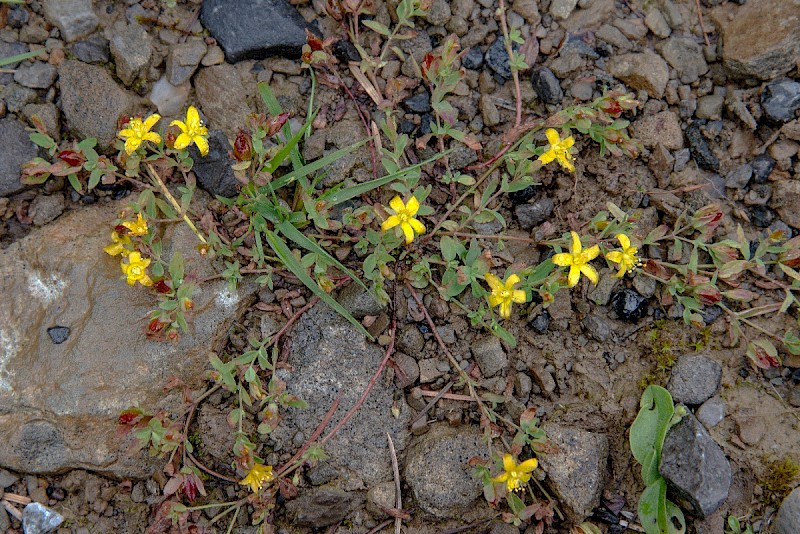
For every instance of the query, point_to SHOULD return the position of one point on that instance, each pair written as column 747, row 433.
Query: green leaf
column 75, row 183
column 649, row 430
column 288, row 259
column 176, row 267
column 504, row 334
column 449, row 247
column 657, row 514
column 289, row 147
column 274, row 107
column 376, row 26
column 20, row 57
column 42, row 140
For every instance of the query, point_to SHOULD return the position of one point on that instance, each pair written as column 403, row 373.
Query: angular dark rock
column 762, row 216
column 739, row 177
column 781, row 100
column 419, row 103
column 701, row 152
column 255, row 29
column 628, row 304
column 697, row 472
column 694, row 379
column 323, row 506
column 95, row 49
column 345, row 51
column 473, row 59
column 523, row 195
column 788, row 519
column 762, row 167
column 17, row 149
column 496, row 58
column 541, row 322
column 58, row 334
column 530, row 215
column 547, row 86
column 213, row 170
column 8, row 50
column 37, row 75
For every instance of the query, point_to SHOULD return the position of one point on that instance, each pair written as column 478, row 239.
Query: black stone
column 56, row 493
column 781, row 100
column 762, row 216
column 425, row 125
column 345, row 51
column 406, row 127
column 17, row 17
column 92, row 50
column 628, row 304
column 473, row 59
column 419, row 103
column 541, row 322
column 213, row 171
column 255, row 29
column 58, row 334
column 523, row 195
column 530, row 215
column 762, row 167
column 547, row 86
column 497, row 58
column 700, row 150
column 796, row 376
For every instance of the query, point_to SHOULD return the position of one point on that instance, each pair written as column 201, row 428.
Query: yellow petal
column 574, row 276
column 413, row 206
column 182, row 141
column 548, row 157
column 180, row 125
column 493, row 281
column 552, row 137
column 408, row 231
column 519, row 296
column 494, row 300
column 528, row 465
column 576, row 243
column 502, row 477
column 146, row 281
column 127, row 132
column 202, row 144
column 151, row 121
column 114, row 249
column 391, row 222
column 192, row 118
column 153, row 137
column 418, row 227
column 624, row 241
column 592, row 252
column 566, row 164
column 562, row 260
column 568, row 142
column 621, row 272
column 590, row 273
column 505, row 309
column 512, row 280
column 397, row 204
column 131, row 144
column 615, row 256
column 508, row 463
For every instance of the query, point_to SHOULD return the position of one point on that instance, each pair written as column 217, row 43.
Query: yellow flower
column 259, row 475
column 626, row 257
column 404, row 216
column 578, row 261
column 192, row 130
column 119, row 245
column 503, row 294
column 515, row 475
column 559, row 150
column 136, row 269
column 138, row 131
column 137, row 227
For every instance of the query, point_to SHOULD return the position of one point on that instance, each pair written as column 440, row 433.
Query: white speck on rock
column 227, row 299
column 45, row 290
column 9, row 346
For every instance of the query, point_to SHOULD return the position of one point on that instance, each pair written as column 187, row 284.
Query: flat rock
column 255, row 29
column 697, row 472
column 359, row 301
column 8, row 50
column 663, row 128
column 530, row 215
column 92, row 102
column 562, row 9
column 170, row 100
column 685, row 56
column 95, row 49
column 712, row 412
column 214, row 172
column 323, row 506
column 786, row 201
column 576, row 472
column 330, row 357
column 694, row 379
column 759, row 46
column 59, row 403
column 36, row 75
column 17, row 149
column 489, row 354
column 183, row 60
column 445, row 487
column 131, row 47
column 74, row 18
column 45, row 208
column 788, row 519
column 646, row 71
column 229, row 113
column 781, row 100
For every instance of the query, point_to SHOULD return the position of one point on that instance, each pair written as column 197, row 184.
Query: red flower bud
column 612, row 107
column 74, row 159
column 242, row 146
column 274, row 124
column 162, row 287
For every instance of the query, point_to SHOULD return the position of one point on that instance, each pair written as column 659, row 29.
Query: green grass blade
column 301, row 239
column 305, row 170
column 20, row 57
column 274, row 108
column 289, row 147
column 287, row 258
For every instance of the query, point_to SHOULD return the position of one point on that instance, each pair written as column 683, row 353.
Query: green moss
column 779, row 479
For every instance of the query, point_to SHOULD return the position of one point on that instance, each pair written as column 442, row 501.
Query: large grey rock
column 781, row 100
column 74, row 18
column 445, row 487
column 562, row 9
column 46, row 208
column 694, row 379
column 92, row 102
column 183, row 60
column 788, row 519
column 131, row 47
column 255, row 29
column 229, row 113
column 757, row 45
column 17, row 149
column 646, row 70
column 697, row 472
column 330, row 357
column 576, row 471
column 59, row 402
column 489, row 354
column 530, row 215
column 36, row 75
column 359, row 302
column 685, row 56
column 214, row 172
column 323, row 506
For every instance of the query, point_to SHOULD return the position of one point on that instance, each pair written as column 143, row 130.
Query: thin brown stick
column 514, row 73
column 491, row 236
column 700, row 18
column 17, row 499
column 11, row 509
column 436, row 396
column 317, row 433
column 208, row 470
column 380, row 527
column 398, row 501
column 448, row 396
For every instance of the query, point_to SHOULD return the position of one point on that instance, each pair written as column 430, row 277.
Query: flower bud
column 242, row 146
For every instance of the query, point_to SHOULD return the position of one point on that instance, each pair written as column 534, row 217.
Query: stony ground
column 718, row 123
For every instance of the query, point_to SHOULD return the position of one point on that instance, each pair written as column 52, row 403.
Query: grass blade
column 305, row 170
column 291, row 263
column 274, row 108
column 20, row 57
